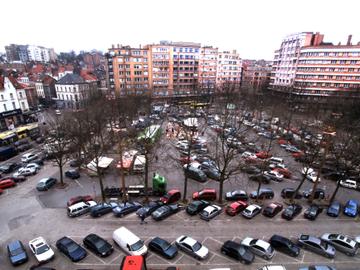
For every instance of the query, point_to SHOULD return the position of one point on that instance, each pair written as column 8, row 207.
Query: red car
column 172, row 196
column 207, row 194
column 235, row 208
column 297, row 154
column 285, row 172
column 185, row 160
column 78, row 199
column 7, row 183
column 263, row 154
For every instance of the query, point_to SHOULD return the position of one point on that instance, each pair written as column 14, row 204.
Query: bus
column 10, row 136
column 151, row 133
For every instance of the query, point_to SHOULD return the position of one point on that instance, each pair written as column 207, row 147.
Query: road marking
column 79, row 183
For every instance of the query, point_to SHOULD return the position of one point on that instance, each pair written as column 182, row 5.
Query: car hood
column 202, row 252
column 330, row 250
column 172, row 250
column 45, row 256
column 78, row 253
column 248, row 255
column 139, row 252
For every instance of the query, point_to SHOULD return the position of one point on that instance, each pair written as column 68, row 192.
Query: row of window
column 321, row 84
column 132, row 59
column 330, row 54
column 328, row 69
column 187, row 50
column 12, row 96
column 69, row 97
column 333, row 77
column 135, row 73
column 129, row 86
column 341, row 62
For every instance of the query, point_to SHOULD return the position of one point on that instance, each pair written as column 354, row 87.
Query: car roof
column 207, row 190
column 37, row 241
column 190, row 241
column 252, row 207
column 14, row 244
column 262, row 243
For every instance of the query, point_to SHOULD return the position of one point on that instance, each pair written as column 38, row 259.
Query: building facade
column 229, row 69
column 25, row 53
column 207, row 69
column 256, row 74
column 45, row 89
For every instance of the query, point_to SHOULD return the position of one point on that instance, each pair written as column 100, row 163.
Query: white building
column 229, row 67
column 40, row 54
column 71, row 91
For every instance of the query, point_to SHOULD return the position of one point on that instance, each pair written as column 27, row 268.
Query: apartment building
column 229, row 68
column 25, row 53
column 328, row 70
column 256, row 74
column 128, row 70
column 207, row 69
column 286, row 58
column 185, row 67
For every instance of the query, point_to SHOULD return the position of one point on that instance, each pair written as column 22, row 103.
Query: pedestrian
column 156, row 158
column 143, row 219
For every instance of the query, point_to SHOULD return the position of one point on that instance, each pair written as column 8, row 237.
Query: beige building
column 207, row 69
column 229, row 66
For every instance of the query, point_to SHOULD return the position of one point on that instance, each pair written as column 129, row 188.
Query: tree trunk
column 146, row 177
column 298, row 188
column 335, row 192
column 221, row 187
column 258, row 190
column 61, row 173
column 101, row 185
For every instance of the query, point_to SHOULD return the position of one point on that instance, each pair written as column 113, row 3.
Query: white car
column 33, row 166
column 248, row 155
column 272, row 267
column 277, row 165
column 251, row 211
column 348, row 183
column 41, row 249
column 274, row 175
column 28, row 157
column 210, row 212
column 310, row 174
column 259, row 247
column 192, row 247
column 357, row 239
column 25, row 172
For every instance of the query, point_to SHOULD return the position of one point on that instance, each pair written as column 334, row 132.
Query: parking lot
column 27, row 213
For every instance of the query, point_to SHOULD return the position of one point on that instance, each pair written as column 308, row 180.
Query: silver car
column 259, row 247
column 341, row 242
column 316, row 245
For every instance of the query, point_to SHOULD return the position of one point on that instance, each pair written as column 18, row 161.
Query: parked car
column 310, row 174
column 210, row 170
column 284, row 245
column 237, row 252
column 351, row 208
column 123, row 209
column 272, row 267
column 147, row 209
column 23, row 147
column 80, row 208
column 25, row 172
column 251, row 169
column 264, row 193
column 45, row 183
column 7, row 183
column 163, row 248
column 312, row 212
column 288, row 193
column 251, row 211
column 77, row 199
column 272, row 209
column 17, row 253
column 291, row 211
column 100, row 209
column 283, row 171
column 71, row 249
column 171, row 196
column 210, row 212
column 263, row 155
column 265, row 179
column 28, row 157
column 342, row 243
column 317, row 267
column 274, row 175
column 41, row 250
column 192, row 247
column 316, row 245
column 73, row 174
column 98, row 245
column 9, row 167
column 195, row 173
column 235, row 208
column 259, row 247
column 348, row 183
column 208, row 194
column 18, row 179
column 236, row 195
column 165, row 211
column 318, row 195
column 334, row 209
column 196, row 207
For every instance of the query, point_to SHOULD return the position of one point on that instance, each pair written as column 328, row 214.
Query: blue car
column 17, row 253
column 334, row 209
column 71, row 249
column 351, row 208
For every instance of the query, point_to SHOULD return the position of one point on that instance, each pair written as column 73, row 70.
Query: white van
column 129, row 242
column 80, row 208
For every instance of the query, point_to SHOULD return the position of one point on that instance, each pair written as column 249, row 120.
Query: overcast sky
column 254, row 28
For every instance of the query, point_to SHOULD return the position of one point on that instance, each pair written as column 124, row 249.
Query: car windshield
column 42, row 249
column 41, row 184
column 16, row 251
column 196, row 246
column 324, row 245
column 72, row 247
column 100, row 244
column 138, row 245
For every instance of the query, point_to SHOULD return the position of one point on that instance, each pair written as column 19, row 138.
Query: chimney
column 118, row 45
column 349, row 40
column 112, row 46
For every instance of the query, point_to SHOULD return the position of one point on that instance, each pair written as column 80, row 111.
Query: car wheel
column 223, row 252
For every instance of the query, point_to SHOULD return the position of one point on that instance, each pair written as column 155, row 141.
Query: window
column 2, row 96
column 5, row 109
column 13, row 103
column 11, row 95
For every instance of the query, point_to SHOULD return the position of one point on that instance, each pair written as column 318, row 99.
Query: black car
column 75, row 163
column 71, row 249
column 196, row 207
column 126, row 208
column 210, row 171
column 272, row 209
column 195, row 173
column 284, row 245
column 264, row 193
column 334, row 209
column 73, row 174
column 147, row 209
column 288, row 193
column 100, row 209
column 312, row 212
column 291, row 211
column 163, row 248
column 23, row 147
column 319, row 193
column 236, row 195
column 251, row 170
column 237, row 252
column 165, row 211
column 17, row 253
column 9, row 167
column 98, row 245
column 260, row 177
